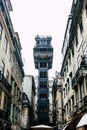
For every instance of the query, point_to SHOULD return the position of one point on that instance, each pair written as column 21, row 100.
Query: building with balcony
column 17, row 74
column 30, row 91
column 11, row 71
column 57, row 103
column 26, row 112
column 43, row 56
column 74, row 66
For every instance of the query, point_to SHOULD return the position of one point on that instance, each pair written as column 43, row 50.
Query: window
column 68, row 84
column 43, row 96
column 72, row 101
column 2, row 67
column 43, row 84
column 67, row 108
column 81, row 90
column 1, row 31
column 64, row 92
column 48, row 42
column 69, row 105
column 76, row 39
column 70, row 80
column 15, row 89
column 67, row 67
column 76, row 95
column 43, row 42
column 5, row 102
column 43, row 109
column 81, row 26
column 66, row 89
column 72, row 49
column 7, row 76
column 64, row 72
column 69, row 59
column 5, row 44
column 13, row 111
column 43, row 74
column 11, row 81
column 43, row 64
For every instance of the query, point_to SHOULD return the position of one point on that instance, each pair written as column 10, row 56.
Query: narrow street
column 43, row 100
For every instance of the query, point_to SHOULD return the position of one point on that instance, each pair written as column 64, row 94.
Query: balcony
column 43, row 102
column 43, row 90
column 4, row 115
column 81, row 72
column 43, row 53
column 46, row 53
column 80, row 106
column 4, row 83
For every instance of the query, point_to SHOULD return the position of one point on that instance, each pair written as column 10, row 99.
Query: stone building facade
column 74, row 66
column 11, row 71
column 57, row 103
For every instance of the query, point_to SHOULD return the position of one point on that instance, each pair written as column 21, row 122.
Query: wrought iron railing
column 5, row 83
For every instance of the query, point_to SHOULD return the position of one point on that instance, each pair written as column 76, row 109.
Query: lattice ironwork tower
column 43, row 57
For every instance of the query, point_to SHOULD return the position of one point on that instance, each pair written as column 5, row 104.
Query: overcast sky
column 42, row 17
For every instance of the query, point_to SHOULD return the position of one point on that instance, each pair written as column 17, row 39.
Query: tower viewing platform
column 43, row 50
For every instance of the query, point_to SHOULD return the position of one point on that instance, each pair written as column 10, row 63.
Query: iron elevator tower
column 43, row 57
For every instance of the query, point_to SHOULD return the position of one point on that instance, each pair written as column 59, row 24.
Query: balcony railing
column 80, row 106
column 77, row 76
column 43, row 90
column 4, row 115
column 81, row 72
column 5, row 83
column 43, row 52
column 43, row 101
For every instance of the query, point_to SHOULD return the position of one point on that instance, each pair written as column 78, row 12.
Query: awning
column 65, row 127
column 83, row 121
column 40, row 127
